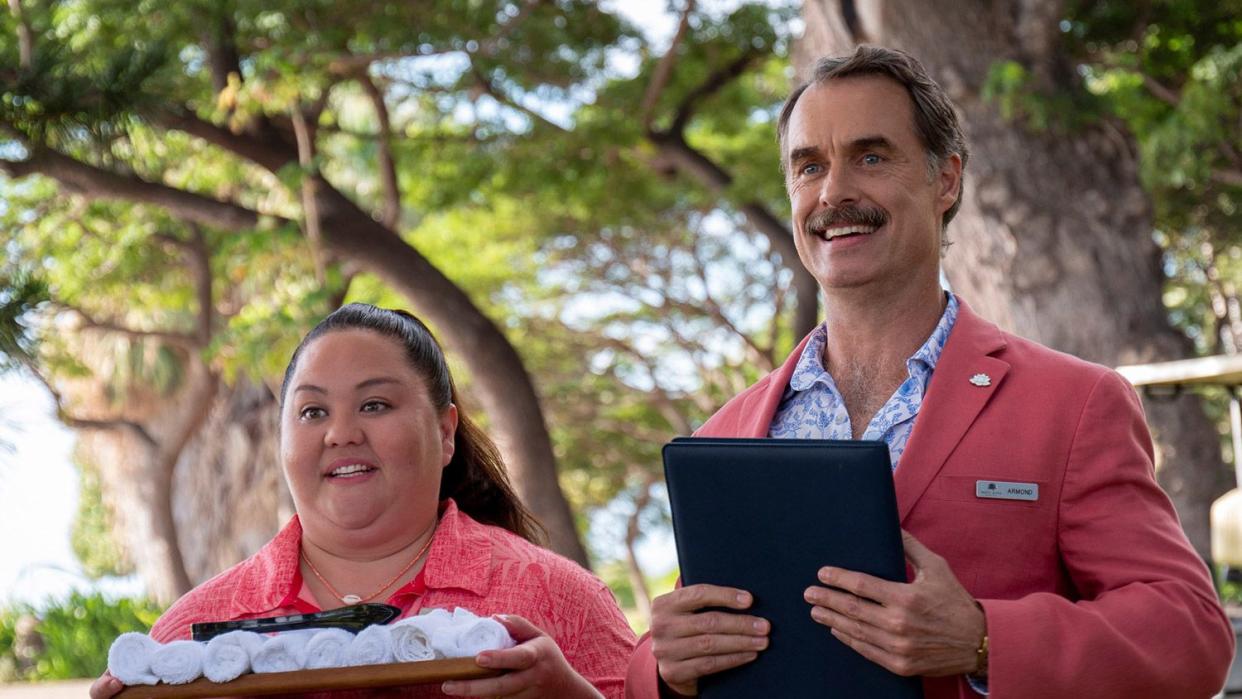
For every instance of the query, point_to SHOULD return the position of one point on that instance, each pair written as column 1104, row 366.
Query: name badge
column 1003, row 490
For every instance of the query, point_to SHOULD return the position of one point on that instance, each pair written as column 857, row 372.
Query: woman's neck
column 334, row 570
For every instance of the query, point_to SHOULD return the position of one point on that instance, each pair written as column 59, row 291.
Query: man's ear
column 949, row 179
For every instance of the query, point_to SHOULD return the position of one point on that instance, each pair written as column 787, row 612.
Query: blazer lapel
column 750, row 413
column 952, row 403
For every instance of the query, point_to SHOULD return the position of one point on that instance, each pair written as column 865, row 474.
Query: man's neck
column 870, row 337
column 864, row 328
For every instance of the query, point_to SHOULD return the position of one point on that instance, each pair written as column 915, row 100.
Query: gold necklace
column 355, row 599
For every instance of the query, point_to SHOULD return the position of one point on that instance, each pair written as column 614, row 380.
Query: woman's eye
column 374, row 406
column 311, row 413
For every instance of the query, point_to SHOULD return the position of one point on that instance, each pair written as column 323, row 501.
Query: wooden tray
column 357, row 677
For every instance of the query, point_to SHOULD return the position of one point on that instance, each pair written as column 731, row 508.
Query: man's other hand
column 689, row 644
column 931, row 626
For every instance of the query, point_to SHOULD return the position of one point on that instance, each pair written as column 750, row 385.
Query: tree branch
column 25, row 37
column 710, row 86
column 92, row 181
column 310, row 201
column 1228, row 176
column 82, row 423
column 220, row 42
column 664, row 69
column 387, row 166
column 1161, row 91
column 497, row 94
column 267, row 146
column 198, row 257
column 185, row 340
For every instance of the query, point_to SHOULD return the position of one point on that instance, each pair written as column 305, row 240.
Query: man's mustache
column 839, row 216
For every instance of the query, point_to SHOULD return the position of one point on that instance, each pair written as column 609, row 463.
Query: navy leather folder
column 764, row 515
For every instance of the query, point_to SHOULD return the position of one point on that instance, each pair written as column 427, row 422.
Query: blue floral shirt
column 812, row 407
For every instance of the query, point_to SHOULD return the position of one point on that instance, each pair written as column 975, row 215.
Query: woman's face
column 361, row 444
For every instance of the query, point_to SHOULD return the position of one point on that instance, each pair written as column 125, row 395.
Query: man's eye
column 811, row 169
column 311, row 413
column 374, row 406
column 872, row 159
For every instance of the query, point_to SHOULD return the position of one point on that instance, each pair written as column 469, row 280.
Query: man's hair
column 935, row 120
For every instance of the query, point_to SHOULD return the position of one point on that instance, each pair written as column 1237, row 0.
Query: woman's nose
column 343, row 430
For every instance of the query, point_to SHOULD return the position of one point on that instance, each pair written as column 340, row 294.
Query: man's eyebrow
column 871, row 143
column 802, row 153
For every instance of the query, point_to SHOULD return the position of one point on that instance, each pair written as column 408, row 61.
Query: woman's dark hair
column 475, row 477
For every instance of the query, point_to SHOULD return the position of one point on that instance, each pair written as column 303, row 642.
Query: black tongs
column 354, row 618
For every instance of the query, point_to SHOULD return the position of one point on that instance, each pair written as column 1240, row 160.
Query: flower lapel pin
column 981, row 380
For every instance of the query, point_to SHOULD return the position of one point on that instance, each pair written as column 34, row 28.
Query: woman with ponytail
column 401, row 499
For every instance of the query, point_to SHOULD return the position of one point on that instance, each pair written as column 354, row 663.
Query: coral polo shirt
column 483, row 568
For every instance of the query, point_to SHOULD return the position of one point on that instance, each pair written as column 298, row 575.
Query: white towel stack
column 178, row 662
column 228, row 655
column 135, row 658
column 129, row 658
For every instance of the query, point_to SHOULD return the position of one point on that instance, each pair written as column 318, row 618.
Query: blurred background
column 583, row 199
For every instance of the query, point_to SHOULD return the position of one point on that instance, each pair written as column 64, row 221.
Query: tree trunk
column 1053, row 241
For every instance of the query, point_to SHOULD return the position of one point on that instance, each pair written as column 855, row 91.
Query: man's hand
column 537, row 668
column 931, row 626
column 689, row 644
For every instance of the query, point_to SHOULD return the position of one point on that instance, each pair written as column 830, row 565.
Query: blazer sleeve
column 1145, row 620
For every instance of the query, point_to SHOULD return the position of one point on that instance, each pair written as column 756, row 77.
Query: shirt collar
column 461, row 554
column 810, row 367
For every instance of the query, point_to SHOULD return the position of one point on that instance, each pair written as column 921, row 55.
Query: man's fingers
column 874, row 653
column 859, row 584
column 694, row 597
column 687, row 624
column 709, row 645
column 919, row 555
column 688, row 671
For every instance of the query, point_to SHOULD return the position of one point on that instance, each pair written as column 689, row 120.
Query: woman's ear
column 448, row 433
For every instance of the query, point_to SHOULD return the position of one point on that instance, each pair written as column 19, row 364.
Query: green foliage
column 93, row 536
column 68, row 638
column 1018, row 97
column 20, row 295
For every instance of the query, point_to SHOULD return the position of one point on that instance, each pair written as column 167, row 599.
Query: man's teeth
column 830, row 233
column 350, row 470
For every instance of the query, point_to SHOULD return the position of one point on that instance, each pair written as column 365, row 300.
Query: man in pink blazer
column 1045, row 560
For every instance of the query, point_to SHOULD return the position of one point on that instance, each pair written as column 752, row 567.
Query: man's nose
column 343, row 430
column 837, row 188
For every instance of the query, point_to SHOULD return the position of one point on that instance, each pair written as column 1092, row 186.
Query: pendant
column 351, row 599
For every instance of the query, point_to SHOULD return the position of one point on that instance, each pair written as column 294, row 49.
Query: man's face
column 866, row 213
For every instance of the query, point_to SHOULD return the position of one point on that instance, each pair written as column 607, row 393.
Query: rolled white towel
column 227, row 656
column 178, row 662
column 129, row 658
column 372, row 646
column 411, row 639
column 326, row 649
column 483, row 634
column 281, row 652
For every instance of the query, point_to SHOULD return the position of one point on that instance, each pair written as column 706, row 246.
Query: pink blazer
column 1092, row 590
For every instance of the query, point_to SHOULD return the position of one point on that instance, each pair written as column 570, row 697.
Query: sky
column 38, row 499
column 39, row 484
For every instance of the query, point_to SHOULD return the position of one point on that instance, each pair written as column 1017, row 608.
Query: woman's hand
column 106, row 686
column 536, row 668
